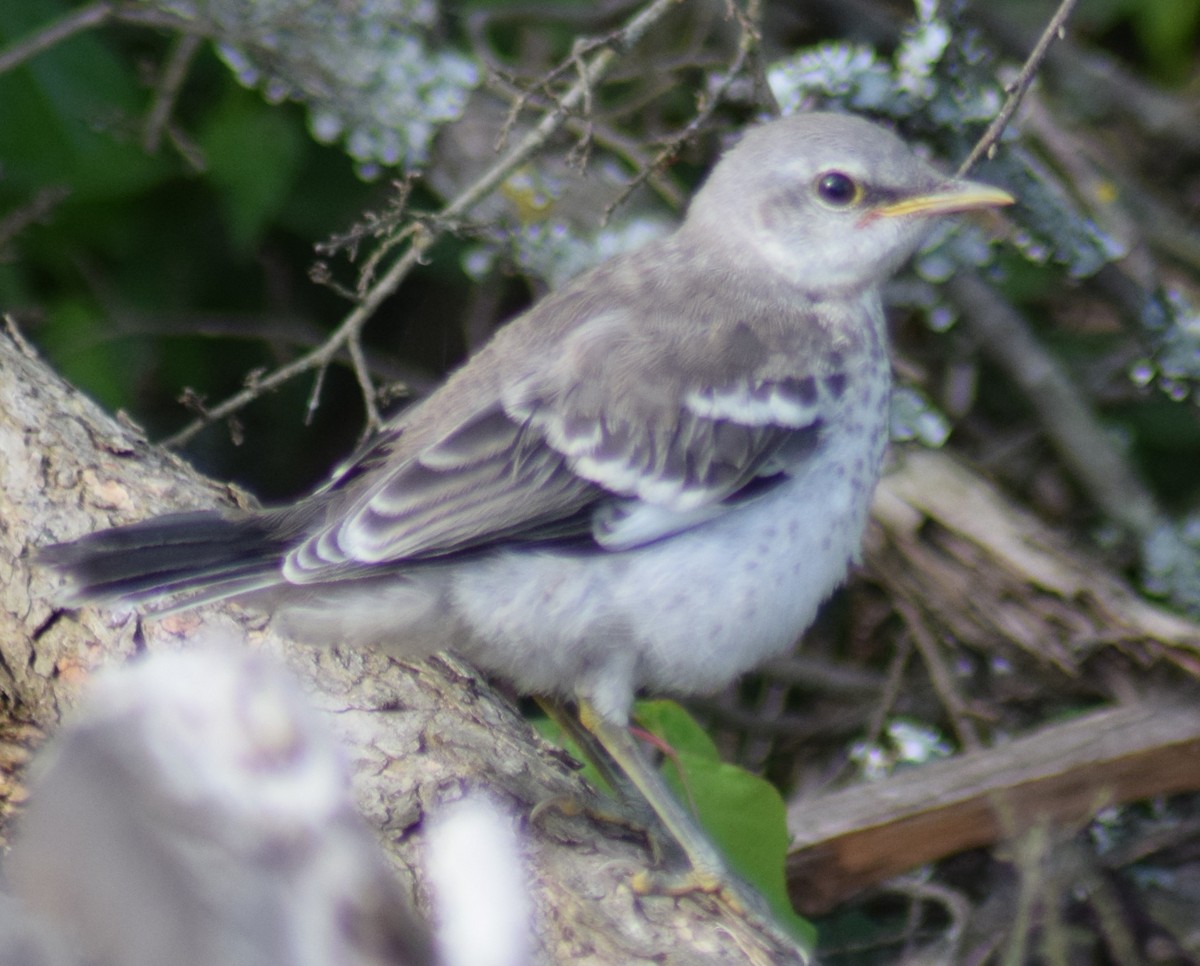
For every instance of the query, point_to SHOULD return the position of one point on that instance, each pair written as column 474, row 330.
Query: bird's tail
column 183, row 559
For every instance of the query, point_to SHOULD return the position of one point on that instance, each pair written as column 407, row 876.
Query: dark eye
column 838, row 190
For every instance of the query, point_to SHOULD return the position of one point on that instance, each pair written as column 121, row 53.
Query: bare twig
column 748, row 20
column 891, row 691
column 943, row 682
column 1016, row 90
column 187, row 149
column 91, row 16
column 882, row 706
column 389, row 226
column 75, row 22
column 420, row 242
column 1081, row 442
column 314, row 395
column 370, row 394
column 583, row 147
column 770, row 707
column 956, row 905
column 820, row 675
column 1032, row 850
column 13, row 331
column 581, row 88
column 1166, row 115
column 42, row 204
column 173, row 75
column 611, row 139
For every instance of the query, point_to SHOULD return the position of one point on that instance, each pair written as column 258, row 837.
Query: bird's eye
column 838, row 190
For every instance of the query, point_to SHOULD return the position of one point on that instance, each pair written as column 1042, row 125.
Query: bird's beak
column 957, row 195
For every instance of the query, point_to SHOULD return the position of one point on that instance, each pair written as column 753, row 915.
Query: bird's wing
column 487, row 479
column 618, row 437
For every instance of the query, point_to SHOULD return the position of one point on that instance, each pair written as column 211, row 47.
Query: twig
column 1016, row 90
column 187, row 148
column 13, row 331
column 314, row 395
column 1032, row 850
column 891, row 691
column 94, row 15
column 630, row 151
column 173, row 75
column 769, row 708
column 1081, row 442
column 838, row 725
column 420, row 243
column 943, row 683
column 582, row 149
column 822, row 676
column 319, row 357
column 582, row 86
column 362, row 373
column 42, row 204
column 748, row 21
column 1167, row 116
column 882, row 706
column 75, row 22
column 957, row 906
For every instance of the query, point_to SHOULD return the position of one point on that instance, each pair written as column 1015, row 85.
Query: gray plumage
column 651, row 479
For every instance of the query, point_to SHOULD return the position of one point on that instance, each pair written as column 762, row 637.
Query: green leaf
column 743, row 813
column 1167, row 30
column 71, row 115
column 76, row 337
column 253, row 152
column 670, row 722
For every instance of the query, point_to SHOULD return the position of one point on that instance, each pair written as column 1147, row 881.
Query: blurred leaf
column 670, row 722
column 253, row 152
column 76, row 338
column 913, row 416
column 1167, row 30
column 744, row 814
column 71, row 115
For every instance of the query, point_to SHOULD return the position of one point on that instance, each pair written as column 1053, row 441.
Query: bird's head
column 832, row 202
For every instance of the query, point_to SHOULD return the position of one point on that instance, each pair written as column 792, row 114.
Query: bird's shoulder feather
column 630, row 405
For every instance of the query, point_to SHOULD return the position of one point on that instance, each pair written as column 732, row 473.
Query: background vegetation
column 196, row 196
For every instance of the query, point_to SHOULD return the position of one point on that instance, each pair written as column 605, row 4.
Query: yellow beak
column 950, row 197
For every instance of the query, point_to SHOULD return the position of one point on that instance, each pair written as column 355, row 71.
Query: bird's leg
column 709, row 872
column 574, row 729
column 637, row 814
column 612, row 748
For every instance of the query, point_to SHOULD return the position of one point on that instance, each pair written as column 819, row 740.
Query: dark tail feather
column 202, row 556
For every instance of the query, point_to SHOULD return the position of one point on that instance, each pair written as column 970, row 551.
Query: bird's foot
column 707, row 880
column 598, row 809
column 735, row 895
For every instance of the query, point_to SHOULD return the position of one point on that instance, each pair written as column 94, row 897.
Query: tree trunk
column 418, row 735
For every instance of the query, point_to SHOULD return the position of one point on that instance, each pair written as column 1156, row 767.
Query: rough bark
column 418, row 735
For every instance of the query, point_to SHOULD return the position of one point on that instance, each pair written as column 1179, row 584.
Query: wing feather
column 609, row 424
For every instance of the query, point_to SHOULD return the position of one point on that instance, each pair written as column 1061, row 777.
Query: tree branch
column 432, row 228
column 418, row 735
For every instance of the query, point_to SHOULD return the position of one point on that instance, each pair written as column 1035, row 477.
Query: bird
column 649, row 481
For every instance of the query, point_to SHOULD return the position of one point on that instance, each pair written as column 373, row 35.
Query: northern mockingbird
column 650, row 480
